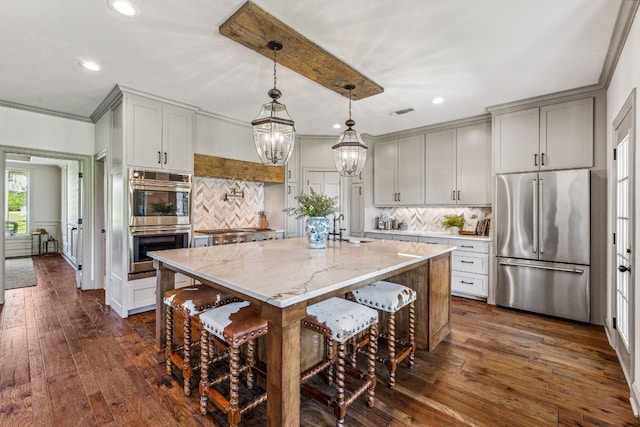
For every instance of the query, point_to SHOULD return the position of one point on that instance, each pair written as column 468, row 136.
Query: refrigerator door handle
column 535, row 216
column 541, row 215
column 543, row 267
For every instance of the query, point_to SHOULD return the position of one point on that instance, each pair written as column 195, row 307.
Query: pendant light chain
column 350, row 103
column 275, row 61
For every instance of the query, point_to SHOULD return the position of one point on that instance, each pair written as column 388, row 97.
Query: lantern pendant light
column 350, row 153
column 273, row 131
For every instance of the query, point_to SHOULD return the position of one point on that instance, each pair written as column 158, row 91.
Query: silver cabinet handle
column 543, row 267
column 541, row 210
column 467, row 246
column 289, row 174
column 465, row 282
column 289, row 189
column 542, row 159
column 458, row 194
column 535, row 216
column 159, row 157
column 398, row 196
column 165, row 157
column 535, row 159
column 466, row 262
column 360, row 191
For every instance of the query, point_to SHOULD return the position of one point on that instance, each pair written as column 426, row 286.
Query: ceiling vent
column 400, row 112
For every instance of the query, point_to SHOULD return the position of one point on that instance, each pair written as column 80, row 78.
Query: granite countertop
column 285, row 272
column 439, row 234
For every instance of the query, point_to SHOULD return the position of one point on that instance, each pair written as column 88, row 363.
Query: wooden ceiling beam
column 254, row 28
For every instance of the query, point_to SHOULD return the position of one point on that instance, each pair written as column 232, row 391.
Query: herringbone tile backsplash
column 428, row 219
column 211, row 211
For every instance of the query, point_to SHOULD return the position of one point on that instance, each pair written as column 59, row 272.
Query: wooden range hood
column 255, row 28
column 219, row 167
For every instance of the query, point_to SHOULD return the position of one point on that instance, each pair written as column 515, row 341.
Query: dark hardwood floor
column 66, row 359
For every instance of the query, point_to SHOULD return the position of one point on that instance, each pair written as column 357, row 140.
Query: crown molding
column 548, row 99
column 37, row 110
column 621, row 29
column 453, row 124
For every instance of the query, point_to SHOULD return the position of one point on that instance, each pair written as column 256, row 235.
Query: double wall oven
column 159, row 217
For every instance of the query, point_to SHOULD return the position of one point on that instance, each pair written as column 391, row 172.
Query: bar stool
column 190, row 301
column 339, row 320
column 390, row 297
column 229, row 327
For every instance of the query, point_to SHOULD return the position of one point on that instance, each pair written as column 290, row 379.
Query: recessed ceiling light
column 337, row 126
column 90, row 65
column 437, row 100
column 123, row 7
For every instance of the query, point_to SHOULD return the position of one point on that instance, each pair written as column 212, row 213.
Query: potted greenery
column 316, row 207
column 453, row 223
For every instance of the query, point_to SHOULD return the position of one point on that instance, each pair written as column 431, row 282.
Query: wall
column 625, row 78
column 33, row 130
column 44, row 206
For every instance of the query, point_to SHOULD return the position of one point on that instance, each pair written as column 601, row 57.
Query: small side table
column 50, row 244
column 39, row 234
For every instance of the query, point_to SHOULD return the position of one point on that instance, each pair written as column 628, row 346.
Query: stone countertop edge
column 441, row 235
column 294, row 299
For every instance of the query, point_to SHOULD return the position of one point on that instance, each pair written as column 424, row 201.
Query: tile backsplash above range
column 226, row 203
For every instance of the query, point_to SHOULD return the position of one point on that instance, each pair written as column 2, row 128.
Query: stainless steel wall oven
column 158, row 198
column 147, row 239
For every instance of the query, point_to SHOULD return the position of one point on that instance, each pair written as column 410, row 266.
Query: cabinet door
column 440, row 164
column 516, row 141
column 566, row 135
column 474, row 165
column 384, row 173
column 144, row 132
column 356, row 207
column 410, row 171
column 177, row 141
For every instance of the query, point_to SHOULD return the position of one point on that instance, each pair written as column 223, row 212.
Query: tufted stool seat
column 190, row 301
column 390, row 297
column 338, row 320
column 229, row 327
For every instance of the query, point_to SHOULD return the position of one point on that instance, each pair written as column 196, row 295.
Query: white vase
column 453, row 230
column 318, row 232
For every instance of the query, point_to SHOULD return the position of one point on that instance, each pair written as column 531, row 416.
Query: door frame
column 627, row 363
column 87, row 204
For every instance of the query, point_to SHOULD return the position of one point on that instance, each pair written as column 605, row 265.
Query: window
column 17, row 214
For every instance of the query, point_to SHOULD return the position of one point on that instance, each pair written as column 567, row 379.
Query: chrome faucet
column 337, row 219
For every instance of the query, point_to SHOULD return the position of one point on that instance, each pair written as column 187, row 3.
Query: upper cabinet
column 398, row 172
column 159, row 135
column 558, row 136
column 458, row 166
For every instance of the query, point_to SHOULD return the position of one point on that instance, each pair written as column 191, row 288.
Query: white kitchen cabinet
column 356, row 209
column 158, row 135
column 470, row 268
column 293, row 225
column 558, row 136
column 398, row 172
column 458, row 166
column 566, row 135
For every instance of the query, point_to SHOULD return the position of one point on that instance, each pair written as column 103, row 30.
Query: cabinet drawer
column 434, row 241
column 405, row 238
column 379, row 236
column 469, row 283
column 470, row 262
column 470, row 246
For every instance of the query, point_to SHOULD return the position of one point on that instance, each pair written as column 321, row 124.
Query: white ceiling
column 474, row 53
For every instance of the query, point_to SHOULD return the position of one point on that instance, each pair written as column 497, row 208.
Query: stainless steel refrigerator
column 542, row 226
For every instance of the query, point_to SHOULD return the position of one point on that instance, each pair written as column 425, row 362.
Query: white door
column 624, row 309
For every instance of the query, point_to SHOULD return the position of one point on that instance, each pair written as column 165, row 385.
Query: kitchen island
column 284, row 276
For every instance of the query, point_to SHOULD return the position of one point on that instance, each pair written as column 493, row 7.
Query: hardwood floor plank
column 79, row 363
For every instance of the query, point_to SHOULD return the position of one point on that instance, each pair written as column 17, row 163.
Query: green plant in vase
column 316, row 207
column 453, row 223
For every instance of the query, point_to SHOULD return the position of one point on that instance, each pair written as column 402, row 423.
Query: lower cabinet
column 469, row 265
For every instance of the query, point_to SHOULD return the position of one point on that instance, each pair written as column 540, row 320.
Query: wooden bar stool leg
column 330, row 356
column 204, row 369
column 371, row 371
column 392, row 362
column 412, row 331
column 354, row 353
column 251, row 361
column 340, row 368
column 169, row 335
column 233, row 415
column 187, row 371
